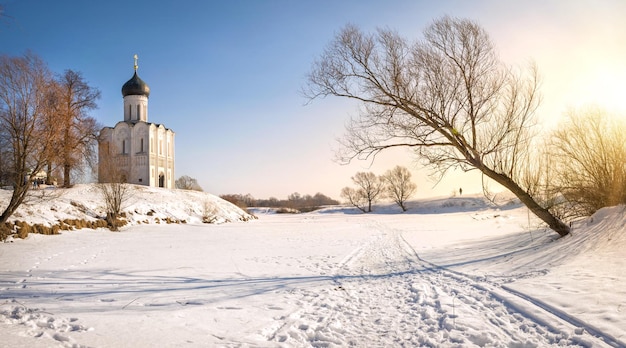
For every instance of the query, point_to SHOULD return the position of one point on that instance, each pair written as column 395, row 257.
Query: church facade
column 137, row 151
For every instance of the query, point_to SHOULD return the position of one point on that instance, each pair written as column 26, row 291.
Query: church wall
column 162, row 162
column 139, row 173
column 143, row 165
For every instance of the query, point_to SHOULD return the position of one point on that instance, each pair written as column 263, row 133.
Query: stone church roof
column 135, row 86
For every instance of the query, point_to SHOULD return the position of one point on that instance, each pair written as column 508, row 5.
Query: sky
column 226, row 76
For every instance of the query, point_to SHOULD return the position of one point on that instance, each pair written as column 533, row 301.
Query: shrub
column 22, row 229
column 115, row 224
column 5, row 230
column 209, row 213
column 287, row 211
column 42, row 229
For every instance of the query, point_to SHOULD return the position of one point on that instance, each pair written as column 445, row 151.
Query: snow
column 453, row 272
column 142, row 203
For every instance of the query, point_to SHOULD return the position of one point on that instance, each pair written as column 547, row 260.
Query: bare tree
column 24, row 103
column 76, row 131
column 369, row 189
column 398, row 185
column 447, row 96
column 354, row 197
column 112, row 183
column 186, row 182
column 590, row 149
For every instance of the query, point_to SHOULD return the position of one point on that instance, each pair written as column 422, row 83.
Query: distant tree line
column 295, row 201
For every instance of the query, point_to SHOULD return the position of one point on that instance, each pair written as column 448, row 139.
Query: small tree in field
column 112, row 186
column 369, row 189
column 398, row 185
column 447, row 96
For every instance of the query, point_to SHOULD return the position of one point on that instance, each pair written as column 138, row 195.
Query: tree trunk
column 66, row 175
column 17, row 197
column 553, row 222
column 49, row 173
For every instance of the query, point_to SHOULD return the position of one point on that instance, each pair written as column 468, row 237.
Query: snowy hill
column 144, row 205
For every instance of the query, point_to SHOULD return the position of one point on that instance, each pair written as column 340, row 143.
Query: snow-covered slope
column 144, row 204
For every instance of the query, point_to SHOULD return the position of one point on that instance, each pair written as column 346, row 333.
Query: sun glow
column 602, row 86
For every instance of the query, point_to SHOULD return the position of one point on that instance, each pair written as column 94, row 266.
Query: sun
column 602, row 86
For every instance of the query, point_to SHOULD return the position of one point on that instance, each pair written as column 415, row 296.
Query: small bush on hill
column 22, row 229
column 5, row 230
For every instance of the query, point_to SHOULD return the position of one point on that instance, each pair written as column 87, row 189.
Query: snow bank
column 144, row 205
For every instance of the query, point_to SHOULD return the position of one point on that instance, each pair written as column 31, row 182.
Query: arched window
column 123, row 146
column 161, row 180
column 138, row 110
column 141, row 145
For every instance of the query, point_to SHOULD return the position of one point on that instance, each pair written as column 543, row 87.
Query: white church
column 142, row 152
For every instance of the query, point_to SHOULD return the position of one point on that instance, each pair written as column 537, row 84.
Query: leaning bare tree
column 398, row 185
column 448, row 97
column 25, row 102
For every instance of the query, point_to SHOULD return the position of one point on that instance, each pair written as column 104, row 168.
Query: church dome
column 135, row 86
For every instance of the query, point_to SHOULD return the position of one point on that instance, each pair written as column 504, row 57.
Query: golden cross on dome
column 136, row 66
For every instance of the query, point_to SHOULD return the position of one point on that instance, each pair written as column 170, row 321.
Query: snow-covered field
column 449, row 272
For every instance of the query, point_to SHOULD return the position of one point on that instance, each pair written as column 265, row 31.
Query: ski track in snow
column 383, row 294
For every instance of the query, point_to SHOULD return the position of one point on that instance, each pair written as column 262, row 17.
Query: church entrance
column 161, row 180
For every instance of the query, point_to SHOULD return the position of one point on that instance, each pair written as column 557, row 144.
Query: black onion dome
column 135, row 86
